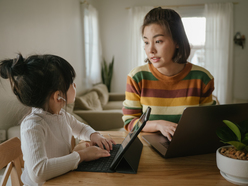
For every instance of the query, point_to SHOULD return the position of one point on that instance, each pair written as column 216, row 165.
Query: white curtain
column 136, row 45
column 219, row 48
column 92, row 45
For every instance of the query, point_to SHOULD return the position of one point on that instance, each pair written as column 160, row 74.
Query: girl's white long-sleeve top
column 46, row 145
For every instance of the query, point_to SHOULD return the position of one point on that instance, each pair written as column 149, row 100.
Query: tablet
column 129, row 139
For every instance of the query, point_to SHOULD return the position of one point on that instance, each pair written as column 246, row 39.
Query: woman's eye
column 146, row 43
column 159, row 41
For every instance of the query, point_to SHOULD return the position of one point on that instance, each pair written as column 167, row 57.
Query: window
column 195, row 28
column 92, row 45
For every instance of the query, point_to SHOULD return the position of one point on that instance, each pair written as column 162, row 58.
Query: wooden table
column 153, row 170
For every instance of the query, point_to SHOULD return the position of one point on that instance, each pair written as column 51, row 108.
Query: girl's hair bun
column 19, row 66
column 13, row 67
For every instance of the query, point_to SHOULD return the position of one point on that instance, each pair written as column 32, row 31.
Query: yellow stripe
column 132, row 104
column 132, row 96
column 159, row 110
column 139, row 69
column 169, row 101
column 195, row 67
column 134, row 123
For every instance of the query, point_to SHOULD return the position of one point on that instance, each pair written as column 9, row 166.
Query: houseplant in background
column 232, row 160
column 107, row 73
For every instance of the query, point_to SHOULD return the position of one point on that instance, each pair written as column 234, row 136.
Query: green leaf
column 243, row 127
column 226, row 134
column 245, row 139
column 107, row 72
column 238, row 145
column 234, row 128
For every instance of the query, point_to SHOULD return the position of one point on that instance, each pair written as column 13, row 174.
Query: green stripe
column 143, row 75
column 133, row 108
column 136, row 127
column 196, row 74
column 171, row 118
column 128, row 121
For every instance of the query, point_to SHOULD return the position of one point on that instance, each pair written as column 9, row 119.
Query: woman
column 168, row 83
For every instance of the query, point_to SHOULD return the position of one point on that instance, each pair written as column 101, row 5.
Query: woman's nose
column 152, row 49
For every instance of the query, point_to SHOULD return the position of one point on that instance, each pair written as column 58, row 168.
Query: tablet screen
column 132, row 134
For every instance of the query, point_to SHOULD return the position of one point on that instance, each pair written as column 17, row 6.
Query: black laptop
column 124, row 157
column 196, row 130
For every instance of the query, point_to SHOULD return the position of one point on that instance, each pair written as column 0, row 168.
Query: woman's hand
column 167, row 128
column 92, row 153
column 98, row 139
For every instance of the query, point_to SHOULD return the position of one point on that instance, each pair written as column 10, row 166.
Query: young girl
column 168, row 83
column 45, row 83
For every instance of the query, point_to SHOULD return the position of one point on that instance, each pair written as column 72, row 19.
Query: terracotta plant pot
column 233, row 170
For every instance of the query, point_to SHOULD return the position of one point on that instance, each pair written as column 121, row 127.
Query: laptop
column 125, row 156
column 196, row 130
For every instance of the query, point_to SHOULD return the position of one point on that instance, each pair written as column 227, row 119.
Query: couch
column 95, row 107
column 100, row 109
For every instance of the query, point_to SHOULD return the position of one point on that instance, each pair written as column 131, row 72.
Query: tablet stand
column 130, row 160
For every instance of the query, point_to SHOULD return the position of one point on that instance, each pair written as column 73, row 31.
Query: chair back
column 215, row 99
column 10, row 155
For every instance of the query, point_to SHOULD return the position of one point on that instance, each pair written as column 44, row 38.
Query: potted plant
column 232, row 160
column 107, row 73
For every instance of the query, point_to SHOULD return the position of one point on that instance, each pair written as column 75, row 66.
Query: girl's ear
column 55, row 96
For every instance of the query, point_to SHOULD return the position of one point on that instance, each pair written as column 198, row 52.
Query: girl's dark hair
column 35, row 78
column 172, row 24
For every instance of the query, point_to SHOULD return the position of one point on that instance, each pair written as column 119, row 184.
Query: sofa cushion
column 14, row 132
column 102, row 91
column 113, row 105
column 89, row 101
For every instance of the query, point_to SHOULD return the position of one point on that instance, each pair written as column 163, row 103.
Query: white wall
column 42, row 26
column 37, row 27
column 113, row 17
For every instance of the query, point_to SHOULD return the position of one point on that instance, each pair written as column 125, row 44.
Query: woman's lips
column 155, row 59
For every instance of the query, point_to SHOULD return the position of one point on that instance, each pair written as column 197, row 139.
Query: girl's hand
column 167, row 128
column 81, row 145
column 98, row 139
column 92, row 153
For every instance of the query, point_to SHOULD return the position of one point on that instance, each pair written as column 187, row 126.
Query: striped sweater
column 168, row 96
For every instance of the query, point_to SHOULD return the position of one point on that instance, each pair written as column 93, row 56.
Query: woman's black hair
column 34, row 79
column 171, row 21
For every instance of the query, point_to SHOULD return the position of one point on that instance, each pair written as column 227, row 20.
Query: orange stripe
column 208, row 86
column 206, row 99
column 131, row 82
column 180, row 85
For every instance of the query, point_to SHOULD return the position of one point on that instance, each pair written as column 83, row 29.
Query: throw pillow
column 89, row 101
column 102, row 92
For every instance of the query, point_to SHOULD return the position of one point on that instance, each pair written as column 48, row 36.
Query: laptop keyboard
column 99, row 165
